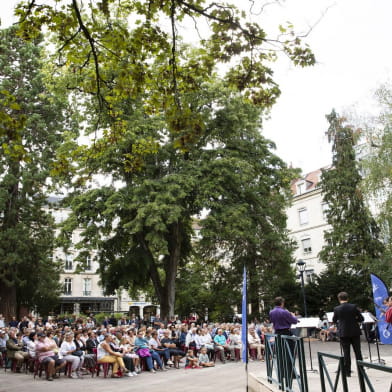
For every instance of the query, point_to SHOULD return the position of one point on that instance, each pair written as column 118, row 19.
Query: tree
column 142, row 228
column 377, row 165
column 32, row 120
column 321, row 293
column 353, row 243
column 149, row 114
column 110, row 49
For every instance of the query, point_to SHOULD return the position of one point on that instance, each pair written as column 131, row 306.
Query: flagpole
column 244, row 330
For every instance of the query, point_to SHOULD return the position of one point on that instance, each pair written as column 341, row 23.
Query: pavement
column 229, row 377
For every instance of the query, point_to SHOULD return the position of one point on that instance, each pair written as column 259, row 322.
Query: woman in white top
column 67, row 348
column 31, row 344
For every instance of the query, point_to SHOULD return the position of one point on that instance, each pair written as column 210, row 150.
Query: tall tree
column 143, row 226
column 377, row 165
column 149, row 113
column 353, row 243
column 31, row 121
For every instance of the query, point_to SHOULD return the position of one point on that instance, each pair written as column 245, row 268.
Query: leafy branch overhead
column 110, row 47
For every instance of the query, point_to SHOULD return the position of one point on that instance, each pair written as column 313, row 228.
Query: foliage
column 321, row 294
column 142, row 228
column 353, row 243
column 378, row 168
column 170, row 137
column 32, row 120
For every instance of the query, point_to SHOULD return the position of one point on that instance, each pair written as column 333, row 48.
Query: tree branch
column 91, row 41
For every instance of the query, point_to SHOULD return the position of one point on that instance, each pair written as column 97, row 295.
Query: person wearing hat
column 46, row 356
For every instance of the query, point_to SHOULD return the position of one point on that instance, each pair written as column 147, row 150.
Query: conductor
column 347, row 316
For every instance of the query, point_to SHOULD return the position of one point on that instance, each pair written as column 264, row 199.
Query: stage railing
column 324, row 373
column 364, row 379
column 285, row 360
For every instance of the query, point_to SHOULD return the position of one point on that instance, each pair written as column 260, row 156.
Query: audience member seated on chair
column 47, row 357
column 14, row 349
column 235, row 344
column 3, row 341
column 91, row 343
column 255, row 343
column 33, row 339
column 156, row 345
column 204, row 360
column 87, row 360
column 145, row 352
column 206, row 341
column 129, row 351
column 105, row 354
column 175, row 352
column 221, row 345
column 69, row 350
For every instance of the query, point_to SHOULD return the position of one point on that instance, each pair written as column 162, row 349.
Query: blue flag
column 380, row 293
column 244, row 331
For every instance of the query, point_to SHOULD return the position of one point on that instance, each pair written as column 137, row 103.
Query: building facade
column 306, row 221
column 82, row 292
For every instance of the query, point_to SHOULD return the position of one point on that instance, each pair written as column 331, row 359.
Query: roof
column 311, row 181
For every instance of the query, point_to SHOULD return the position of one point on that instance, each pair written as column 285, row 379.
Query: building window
column 67, row 286
column 88, row 263
column 306, row 245
column 301, row 188
column 309, row 274
column 68, row 265
column 87, row 286
column 303, row 216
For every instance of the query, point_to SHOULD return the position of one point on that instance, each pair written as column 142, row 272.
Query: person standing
column 281, row 318
column 282, row 321
column 348, row 316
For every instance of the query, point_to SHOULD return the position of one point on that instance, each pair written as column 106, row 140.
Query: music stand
column 308, row 322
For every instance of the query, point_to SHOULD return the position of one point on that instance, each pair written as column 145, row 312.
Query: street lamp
column 301, row 265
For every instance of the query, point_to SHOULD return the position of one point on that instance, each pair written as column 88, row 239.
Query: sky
column 351, row 41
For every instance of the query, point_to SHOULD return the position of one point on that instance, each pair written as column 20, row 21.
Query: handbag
column 144, row 352
column 78, row 353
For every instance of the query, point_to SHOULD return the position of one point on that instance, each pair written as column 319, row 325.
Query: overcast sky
column 352, row 43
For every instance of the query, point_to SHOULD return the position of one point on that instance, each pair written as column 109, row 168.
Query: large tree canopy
column 32, row 122
column 111, row 50
column 231, row 180
column 177, row 138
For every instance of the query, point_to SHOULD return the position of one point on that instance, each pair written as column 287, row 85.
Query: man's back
column 347, row 316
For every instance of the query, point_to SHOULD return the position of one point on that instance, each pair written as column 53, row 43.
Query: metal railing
column 285, row 360
column 324, row 373
column 364, row 378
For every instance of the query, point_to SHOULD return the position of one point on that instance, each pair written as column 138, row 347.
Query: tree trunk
column 8, row 305
column 171, row 264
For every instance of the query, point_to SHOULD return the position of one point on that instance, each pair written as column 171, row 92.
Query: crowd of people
column 82, row 346
column 79, row 347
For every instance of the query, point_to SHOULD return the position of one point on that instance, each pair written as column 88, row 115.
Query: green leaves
column 354, row 240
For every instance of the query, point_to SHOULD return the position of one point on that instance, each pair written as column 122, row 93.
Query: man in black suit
column 348, row 316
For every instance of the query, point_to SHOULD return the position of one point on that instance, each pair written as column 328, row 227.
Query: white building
column 306, row 221
column 82, row 292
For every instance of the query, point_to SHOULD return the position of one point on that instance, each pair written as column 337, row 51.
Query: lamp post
column 301, row 265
